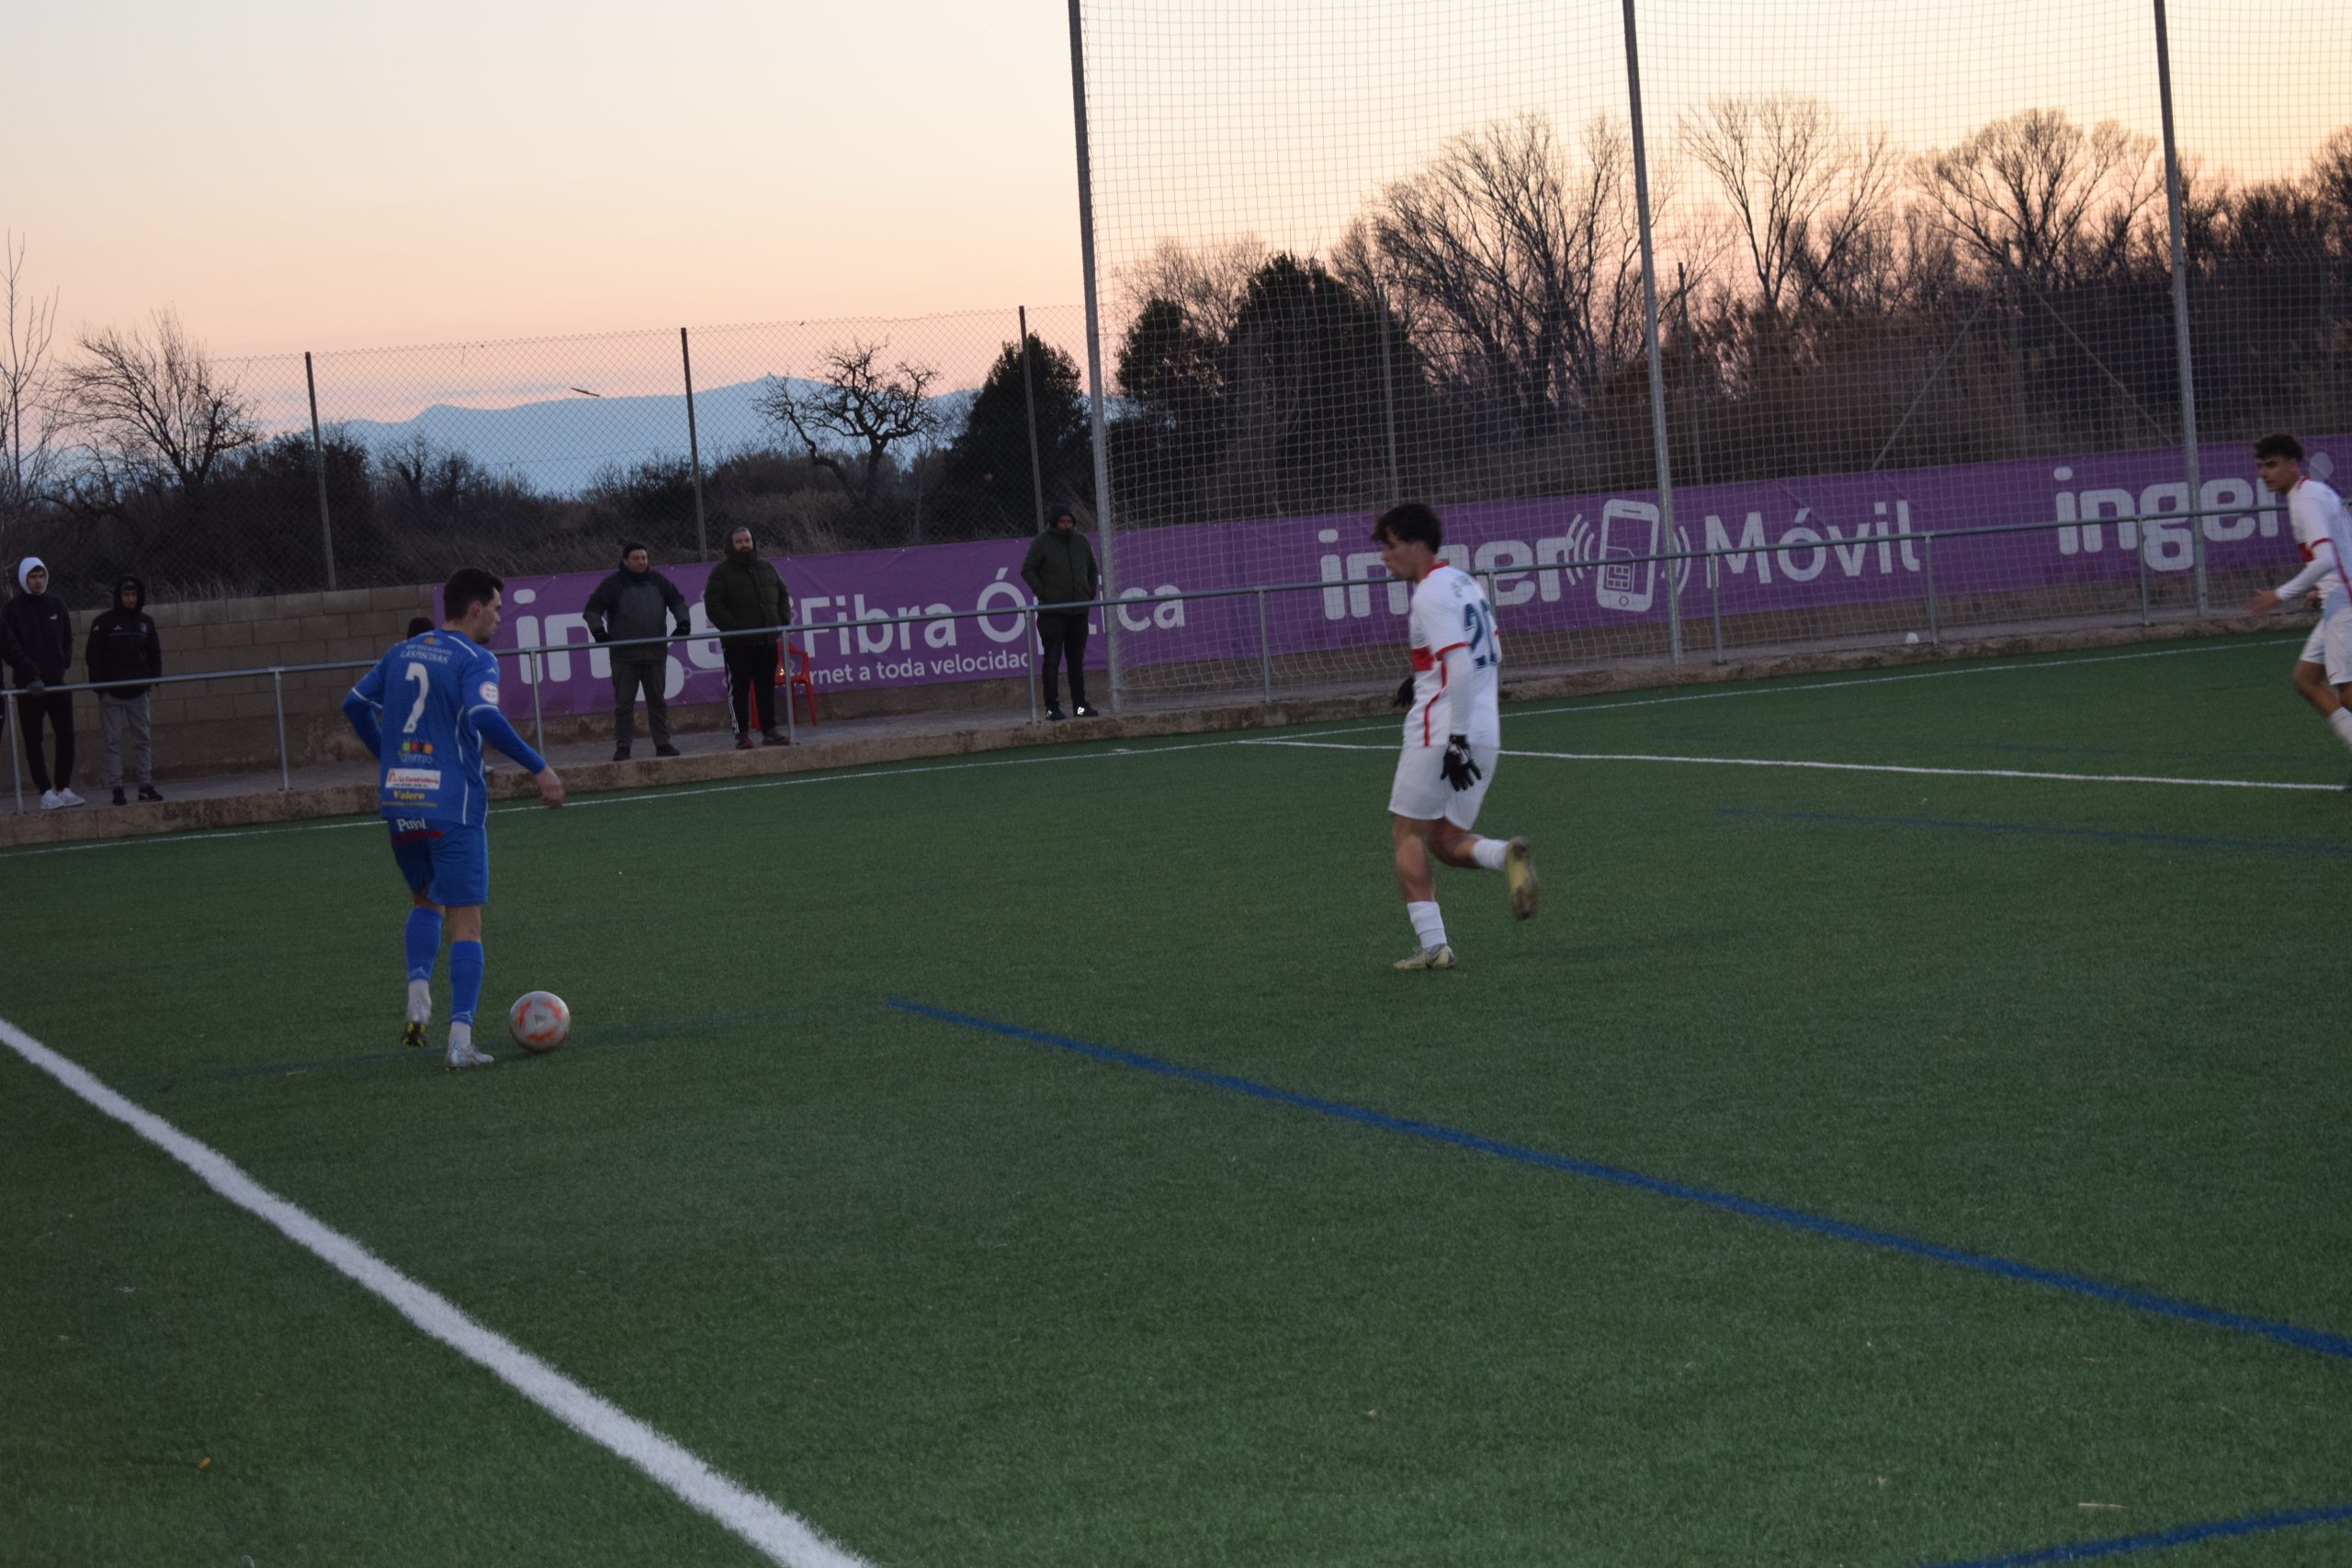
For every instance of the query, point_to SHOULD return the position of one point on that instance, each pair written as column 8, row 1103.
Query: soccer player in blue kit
column 438, row 696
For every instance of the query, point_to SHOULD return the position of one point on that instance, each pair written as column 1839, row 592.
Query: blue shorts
column 447, row 862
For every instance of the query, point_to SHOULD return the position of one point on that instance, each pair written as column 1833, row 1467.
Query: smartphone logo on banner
column 1627, row 581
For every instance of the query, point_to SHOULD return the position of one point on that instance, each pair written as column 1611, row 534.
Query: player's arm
column 361, row 705
column 1456, row 765
column 493, row 727
column 2323, row 561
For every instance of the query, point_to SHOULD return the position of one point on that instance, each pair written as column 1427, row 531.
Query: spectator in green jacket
column 1060, row 569
column 746, row 600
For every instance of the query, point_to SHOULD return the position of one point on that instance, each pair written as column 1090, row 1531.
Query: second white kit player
column 1454, row 733
column 2324, row 531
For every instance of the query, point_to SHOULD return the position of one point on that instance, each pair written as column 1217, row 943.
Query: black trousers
column 751, row 681
column 628, row 675
column 58, row 708
column 1063, row 633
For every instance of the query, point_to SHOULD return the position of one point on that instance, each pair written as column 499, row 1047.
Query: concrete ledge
column 817, row 755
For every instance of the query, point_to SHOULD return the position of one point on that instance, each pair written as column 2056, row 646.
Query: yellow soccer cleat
column 1518, row 877
column 1437, row 957
column 413, row 1035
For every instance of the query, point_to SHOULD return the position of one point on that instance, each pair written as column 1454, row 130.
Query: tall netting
column 1350, row 254
column 1912, row 276
column 2263, row 100
column 1920, row 274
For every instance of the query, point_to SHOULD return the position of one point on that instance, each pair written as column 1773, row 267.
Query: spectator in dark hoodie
column 37, row 631
column 638, row 601
column 123, row 646
column 1060, row 569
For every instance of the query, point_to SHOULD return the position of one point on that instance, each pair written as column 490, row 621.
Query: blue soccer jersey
column 438, row 691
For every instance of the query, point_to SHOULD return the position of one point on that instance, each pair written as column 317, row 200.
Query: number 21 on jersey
column 1478, row 630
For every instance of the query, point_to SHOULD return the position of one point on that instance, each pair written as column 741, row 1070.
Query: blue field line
column 2162, row 1541
column 2317, row 1341
column 2283, row 846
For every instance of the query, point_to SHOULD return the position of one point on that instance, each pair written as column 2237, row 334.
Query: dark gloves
column 599, row 634
column 685, row 629
column 1459, row 769
column 1404, row 698
column 34, row 690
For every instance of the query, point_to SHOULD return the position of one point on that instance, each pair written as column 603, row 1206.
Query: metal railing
column 535, row 656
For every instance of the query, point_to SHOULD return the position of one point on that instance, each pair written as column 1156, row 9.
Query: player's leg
column 461, row 880
column 2311, row 683
column 420, row 936
column 1457, row 845
column 1410, row 838
column 1416, row 806
column 2337, row 649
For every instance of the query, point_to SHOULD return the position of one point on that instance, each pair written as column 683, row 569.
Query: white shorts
column 2331, row 644
column 1421, row 793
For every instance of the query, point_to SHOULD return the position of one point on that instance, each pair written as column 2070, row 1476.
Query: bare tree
column 1209, row 284
column 28, row 413
column 151, row 404
column 859, row 404
column 2036, row 197
column 1522, row 261
column 1811, row 200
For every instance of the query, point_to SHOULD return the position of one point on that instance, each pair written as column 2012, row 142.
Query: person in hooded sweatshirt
column 123, row 646
column 38, row 632
column 634, row 603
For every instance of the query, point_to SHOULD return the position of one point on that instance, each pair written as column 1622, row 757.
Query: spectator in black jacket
column 1060, row 569
column 123, row 647
column 638, row 601
column 38, row 632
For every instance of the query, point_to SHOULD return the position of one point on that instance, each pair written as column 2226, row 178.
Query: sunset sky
column 294, row 176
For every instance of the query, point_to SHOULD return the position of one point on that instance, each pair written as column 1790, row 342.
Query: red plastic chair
column 796, row 681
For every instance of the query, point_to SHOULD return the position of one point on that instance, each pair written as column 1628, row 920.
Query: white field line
column 779, row 1536
column 2223, row 646
column 1846, row 767
column 1741, row 689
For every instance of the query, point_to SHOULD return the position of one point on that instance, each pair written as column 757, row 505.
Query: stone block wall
column 219, row 726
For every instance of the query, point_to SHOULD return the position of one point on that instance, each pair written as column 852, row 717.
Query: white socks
column 2340, row 721
column 1428, row 924
column 1489, row 853
column 461, row 1037
column 420, row 1001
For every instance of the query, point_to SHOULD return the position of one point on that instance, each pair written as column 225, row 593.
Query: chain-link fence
column 387, row 466
column 1670, row 279
column 1653, row 279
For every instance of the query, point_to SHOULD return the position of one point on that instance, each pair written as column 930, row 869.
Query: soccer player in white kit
column 1453, row 732
column 2324, row 531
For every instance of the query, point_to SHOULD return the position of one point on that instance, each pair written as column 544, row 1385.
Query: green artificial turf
column 966, row 1295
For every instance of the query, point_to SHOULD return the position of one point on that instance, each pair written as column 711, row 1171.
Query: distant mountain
column 559, row 445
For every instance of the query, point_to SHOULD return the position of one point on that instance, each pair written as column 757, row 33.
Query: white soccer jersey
column 2311, row 508
column 1449, row 613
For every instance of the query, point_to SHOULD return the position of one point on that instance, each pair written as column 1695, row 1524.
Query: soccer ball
column 538, row 1020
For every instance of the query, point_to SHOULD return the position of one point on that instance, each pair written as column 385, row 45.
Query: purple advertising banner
column 1563, row 563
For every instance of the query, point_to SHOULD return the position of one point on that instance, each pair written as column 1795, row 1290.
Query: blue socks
column 423, row 943
column 465, row 980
